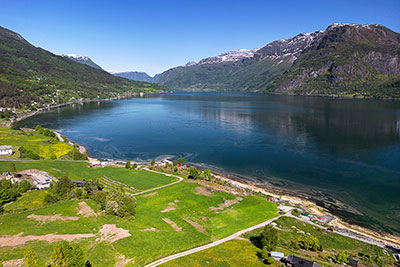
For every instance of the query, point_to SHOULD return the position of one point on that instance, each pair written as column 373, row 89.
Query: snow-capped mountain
column 83, row 60
column 320, row 59
column 230, row 56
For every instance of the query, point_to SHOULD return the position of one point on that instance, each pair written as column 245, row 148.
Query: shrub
column 341, row 258
column 269, row 260
column 30, row 258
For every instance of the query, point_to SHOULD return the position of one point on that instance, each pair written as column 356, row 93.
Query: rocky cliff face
column 346, row 59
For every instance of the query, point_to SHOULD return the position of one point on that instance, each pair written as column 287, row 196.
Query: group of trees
column 196, row 174
column 63, row 255
column 10, row 191
column 114, row 201
column 128, row 165
column 268, row 240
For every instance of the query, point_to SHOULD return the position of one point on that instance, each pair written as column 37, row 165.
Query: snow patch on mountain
column 75, row 56
column 230, row 56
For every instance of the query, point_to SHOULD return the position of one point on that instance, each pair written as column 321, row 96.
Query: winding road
column 213, row 244
column 156, row 188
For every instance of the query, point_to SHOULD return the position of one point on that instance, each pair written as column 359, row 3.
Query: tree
column 13, row 169
column 30, row 258
column 175, row 162
column 128, row 165
column 181, row 160
column 269, row 237
column 64, row 255
column 341, row 258
column 134, row 165
column 39, row 129
column 152, row 162
column 194, row 173
column 208, row 174
column 310, row 243
column 15, row 125
column 24, row 186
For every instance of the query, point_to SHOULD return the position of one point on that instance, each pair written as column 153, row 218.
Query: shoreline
column 307, row 202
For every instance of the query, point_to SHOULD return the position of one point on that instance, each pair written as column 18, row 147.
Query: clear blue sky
column 153, row 36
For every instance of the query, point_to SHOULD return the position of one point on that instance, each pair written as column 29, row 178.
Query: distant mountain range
column 83, row 59
column 31, row 76
column 134, row 75
column 343, row 60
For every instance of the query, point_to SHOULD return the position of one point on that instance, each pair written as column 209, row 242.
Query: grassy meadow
column 232, row 253
column 42, row 145
column 79, row 170
column 144, row 245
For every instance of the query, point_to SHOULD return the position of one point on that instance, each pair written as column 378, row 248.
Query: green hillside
column 30, row 74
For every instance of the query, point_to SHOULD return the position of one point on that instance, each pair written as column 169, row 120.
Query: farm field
column 79, row 170
column 169, row 220
column 42, row 145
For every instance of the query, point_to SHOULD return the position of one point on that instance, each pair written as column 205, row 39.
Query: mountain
column 344, row 59
column 82, row 59
column 32, row 76
column 134, row 75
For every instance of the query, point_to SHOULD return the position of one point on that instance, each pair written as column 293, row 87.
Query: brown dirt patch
column 150, row 194
column 203, row 191
column 173, row 225
column 196, row 225
column 85, row 210
column 13, row 263
column 227, row 203
column 52, row 218
column 122, row 261
column 150, row 229
column 171, row 206
column 110, row 233
column 19, row 240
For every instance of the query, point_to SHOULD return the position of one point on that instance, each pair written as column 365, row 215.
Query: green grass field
column 138, row 179
column 143, row 246
column 232, row 253
column 42, row 145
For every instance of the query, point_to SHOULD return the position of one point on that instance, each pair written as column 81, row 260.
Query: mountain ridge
column 271, row 68
column 83, row 59
column 33, row 77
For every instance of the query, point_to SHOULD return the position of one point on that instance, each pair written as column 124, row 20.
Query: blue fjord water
column 344, row 153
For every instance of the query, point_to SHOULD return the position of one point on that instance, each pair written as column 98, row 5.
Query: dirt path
column 210, row 245
column 52, row 218
column 156, row 188
column 19, row 240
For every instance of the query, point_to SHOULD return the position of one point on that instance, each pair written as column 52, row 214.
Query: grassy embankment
column 245, row 253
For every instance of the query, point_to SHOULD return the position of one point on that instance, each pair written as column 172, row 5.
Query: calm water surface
column 342, row 151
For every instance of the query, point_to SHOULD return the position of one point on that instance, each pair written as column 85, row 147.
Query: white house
column 277, row 255
column 5, row 150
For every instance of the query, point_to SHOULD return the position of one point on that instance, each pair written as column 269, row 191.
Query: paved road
column 213, row 244
column 156, row 188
